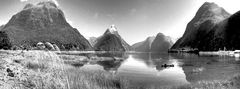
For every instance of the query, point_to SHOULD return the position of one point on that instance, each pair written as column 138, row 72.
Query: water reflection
column 146, row 68
column 148, row 72
column 208, row 68
column 110, row 65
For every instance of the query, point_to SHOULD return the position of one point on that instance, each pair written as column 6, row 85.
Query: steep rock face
column 44, row 22
column 144, row 46
column 202, row 28
column 231, row 36
column 161, row 43
column 111, row 41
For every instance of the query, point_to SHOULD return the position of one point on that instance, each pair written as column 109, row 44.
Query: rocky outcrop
column 111, row 41
column 144, row 46
column 41, row 46
column 161, row 43
column 44, row 22
column 47, row 46
column 207, row 30
column 56, row 47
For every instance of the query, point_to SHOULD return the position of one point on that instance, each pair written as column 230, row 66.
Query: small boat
column 167, row 65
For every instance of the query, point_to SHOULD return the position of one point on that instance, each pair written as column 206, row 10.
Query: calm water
column 146, row 68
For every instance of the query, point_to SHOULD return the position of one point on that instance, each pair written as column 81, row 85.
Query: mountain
column 92, row 40
column 161, row 43
column 144, row 46
column 1, row 27
column 205, row 31
column 111, row 41
column 44, row 22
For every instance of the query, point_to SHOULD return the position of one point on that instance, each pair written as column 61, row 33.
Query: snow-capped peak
column 113, row 29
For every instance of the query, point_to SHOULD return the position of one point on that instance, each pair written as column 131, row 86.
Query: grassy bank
column 82, row 79
column 47, row 70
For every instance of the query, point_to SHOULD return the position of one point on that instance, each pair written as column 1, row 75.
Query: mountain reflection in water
column 151, row 72
column 146, row 68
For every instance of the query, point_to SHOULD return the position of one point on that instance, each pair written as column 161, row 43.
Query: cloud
column 55, row 1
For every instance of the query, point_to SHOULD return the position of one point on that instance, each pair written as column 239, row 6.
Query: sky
column 135, row 19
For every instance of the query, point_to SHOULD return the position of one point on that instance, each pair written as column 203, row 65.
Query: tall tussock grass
column 47, row 70
column 83, row 79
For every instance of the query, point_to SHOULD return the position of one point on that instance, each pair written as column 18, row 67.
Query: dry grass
column 47, row 69
column 34, row 69
column 82, row 79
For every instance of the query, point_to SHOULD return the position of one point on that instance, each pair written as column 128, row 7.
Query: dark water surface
column 149, row 69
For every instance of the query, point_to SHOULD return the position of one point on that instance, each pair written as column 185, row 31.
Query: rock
column 15, row 48
column 10, row 74
column 56, row 47
column 49, row 46
column 40, row 46
column 8, row 70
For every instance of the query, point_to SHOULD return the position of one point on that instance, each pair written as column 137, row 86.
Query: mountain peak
column 160, row 34
column 112, row 30
column 210, row 11
column 210, row 4
column 48, row 4
column 29, row 5
column 213, row 8
column 111, row 41
column 205, row 22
